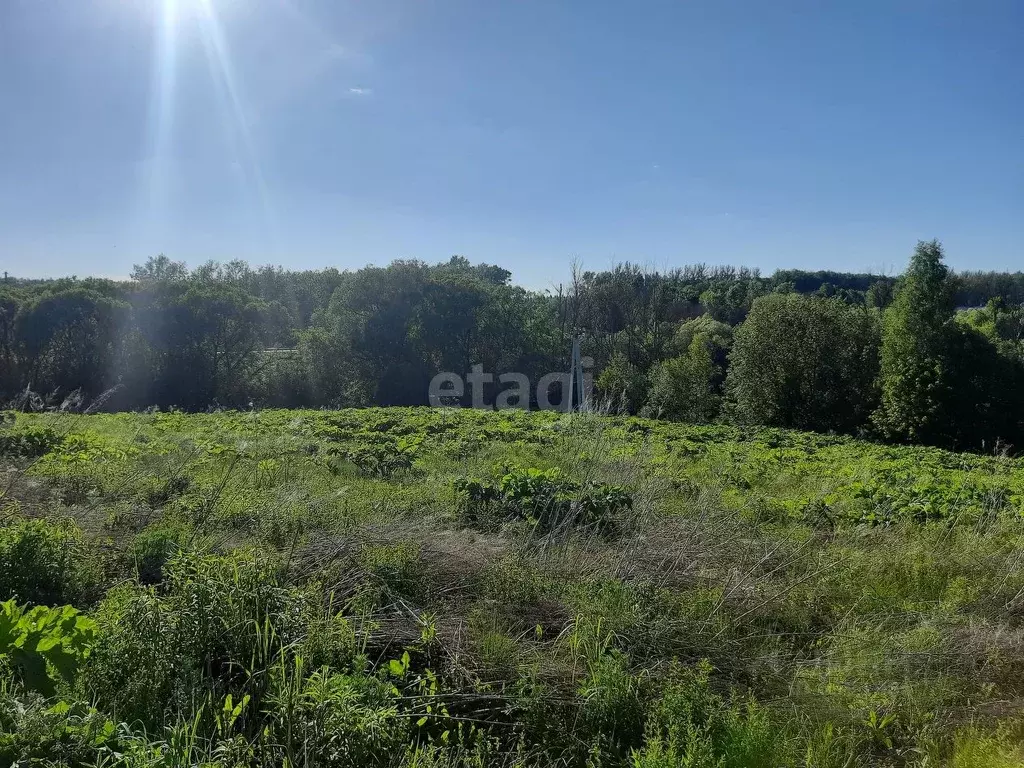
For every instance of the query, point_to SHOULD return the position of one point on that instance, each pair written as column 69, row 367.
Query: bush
column 217, row 625
column 694, row 726
column 343, row 721
column 613, row 705
column 622, row 385
column 47, row 563
column 688, row 387
column 29, row 442
column 804, row 363
column 154, row 546
column 544, row 498
column 35, row 732
column 44, row 645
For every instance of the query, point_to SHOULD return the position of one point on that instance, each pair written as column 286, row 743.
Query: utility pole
column 575, row 399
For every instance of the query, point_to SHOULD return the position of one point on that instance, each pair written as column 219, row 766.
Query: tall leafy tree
column 917, row 347
column 205, row 343
column 69, row 340
column 986, row 406
column 804, row 362
column 362, row 348
column 10, row 375
column 159, row 269
column 687, row 387
column 622, row 385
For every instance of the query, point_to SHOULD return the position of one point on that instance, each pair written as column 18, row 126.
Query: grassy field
column 434, row 587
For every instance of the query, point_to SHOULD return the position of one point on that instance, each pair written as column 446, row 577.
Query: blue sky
column 814, row 134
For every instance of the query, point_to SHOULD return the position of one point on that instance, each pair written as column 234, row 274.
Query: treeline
column 931, row 357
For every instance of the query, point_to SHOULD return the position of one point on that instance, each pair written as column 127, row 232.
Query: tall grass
column 263, row 599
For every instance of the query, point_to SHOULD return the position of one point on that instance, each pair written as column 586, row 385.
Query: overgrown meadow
column 442, row 587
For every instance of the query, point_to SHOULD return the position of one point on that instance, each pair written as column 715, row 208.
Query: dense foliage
column 855, row 354
column 452, row 587
column 805, row 363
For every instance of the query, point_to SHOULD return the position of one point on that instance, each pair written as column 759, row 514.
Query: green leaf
column 44, row 639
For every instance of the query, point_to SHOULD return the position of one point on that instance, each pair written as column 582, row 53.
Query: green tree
column 361, row 349
column 719, row 335
column 879, row 294
column 204, row 344
column 388, row 331
column 688, row 387
column 917, row 346
column 160, row 269
column 1001, row 323
column 69, row 340
column 10, row 363
column 804, row 362
column 622, row 385
column 985, row 409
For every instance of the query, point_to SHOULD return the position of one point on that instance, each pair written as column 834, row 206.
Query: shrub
column 34, row 731
column 46, row 563
column 382, row 456
column 613, row 705
column 135, row 671
column 153, row 546
column 342, row 721
column 688, row 387
column 28, row 442
column 44, row 644
column 804, row 363
column 693, row 725
column 215, row 622
column 544, row 498
column 622, row 384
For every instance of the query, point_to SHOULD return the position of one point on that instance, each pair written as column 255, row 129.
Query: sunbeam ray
column 161, row 111
column 223, row 71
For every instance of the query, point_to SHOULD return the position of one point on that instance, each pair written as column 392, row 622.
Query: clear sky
column 782, row 133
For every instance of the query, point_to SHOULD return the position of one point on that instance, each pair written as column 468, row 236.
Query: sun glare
column 161, row 110
column 173, row 20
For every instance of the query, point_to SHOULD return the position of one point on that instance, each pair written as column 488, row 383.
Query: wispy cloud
column 360, row 91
